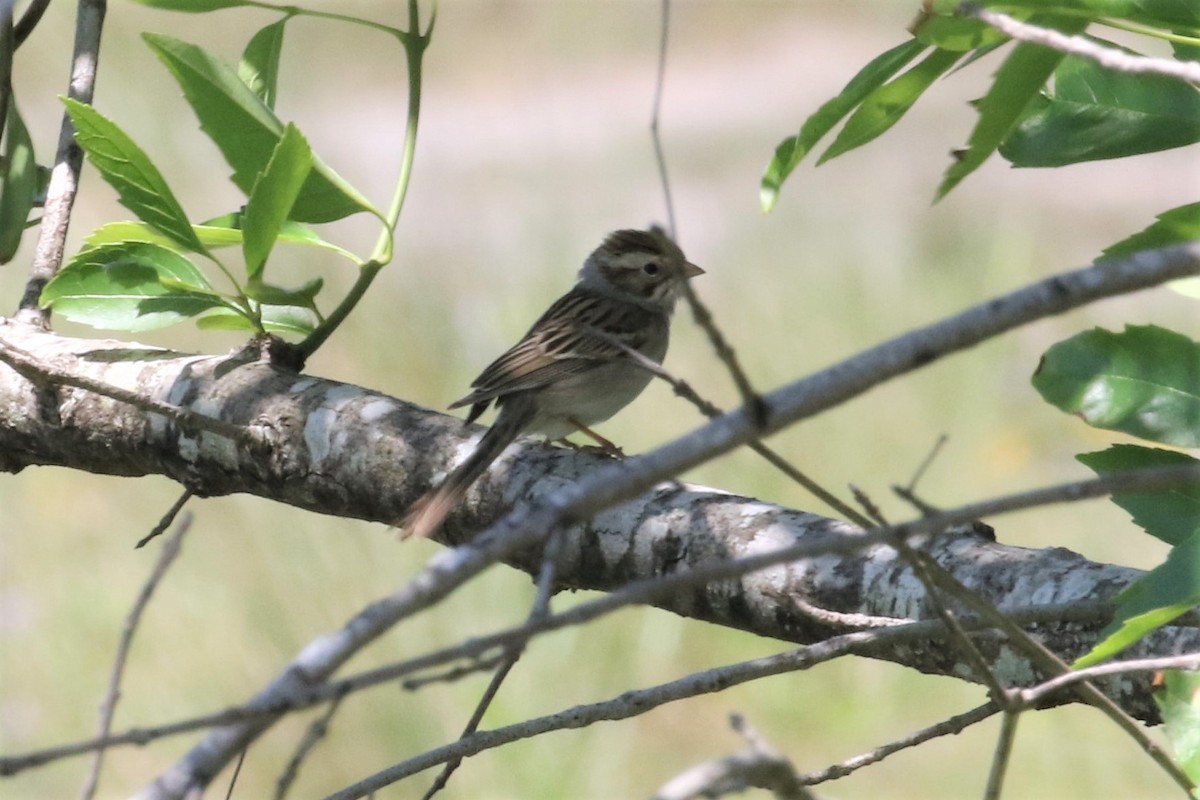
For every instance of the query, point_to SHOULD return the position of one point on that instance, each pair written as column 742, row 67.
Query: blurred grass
column 534, row 143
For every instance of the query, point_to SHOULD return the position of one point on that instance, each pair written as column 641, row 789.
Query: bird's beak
column 690, row 270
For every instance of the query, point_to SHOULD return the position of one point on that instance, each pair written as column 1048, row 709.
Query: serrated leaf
column 1144, row 381
column 273, row 197
column 884, row 107
column 125, row 287
column 791, row 151
column 246, row 131
column 1171, row 515
column 1162, row 594
column 1019, row 79
column 1096, row 113
column 1178, row 225
column 140, row 186
column 195, row 6
column 1178, row 701
column 213, row 234
column 19, row 186
column 259, row 67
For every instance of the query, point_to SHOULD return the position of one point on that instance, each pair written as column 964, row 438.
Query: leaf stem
column 415, row 44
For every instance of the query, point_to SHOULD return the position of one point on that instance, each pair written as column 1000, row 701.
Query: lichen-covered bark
column 339, row 449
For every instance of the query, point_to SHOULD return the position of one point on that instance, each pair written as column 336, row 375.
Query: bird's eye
column 650, row 268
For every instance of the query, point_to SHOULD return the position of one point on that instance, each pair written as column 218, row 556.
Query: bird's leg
column 603, row 446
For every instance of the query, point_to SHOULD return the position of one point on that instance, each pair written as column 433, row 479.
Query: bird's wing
column 563, row 342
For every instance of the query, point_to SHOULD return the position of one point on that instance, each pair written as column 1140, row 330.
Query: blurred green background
column 534, row 143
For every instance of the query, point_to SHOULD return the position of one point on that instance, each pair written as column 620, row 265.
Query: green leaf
column 246, row 130
column 1179, row 702
column 194, row 6
column 259, row 67
column 275, row 319
column 272, row 198
column 1159, row 596
column 957, row 33
column 134, row 286
column 269, row 294
column 1180, row 224
column 1144, row 381
column 19, row 186
column 884, row 107
column 214, row 234
column 1017, row 82
column 1097, row 113
column 791, row 151
column 1171, row 515
column 127, row 168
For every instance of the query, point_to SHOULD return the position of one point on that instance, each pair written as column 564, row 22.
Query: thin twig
column 955, row 725
column 1045, row 660
column 42, row 374
column 712, row 411
column 512, row 654
column 1034, row 695
column 1081, row 46
column 1003, row 754
column 924, row 465
column 760, row 765
column 30, row 19
column 752, row 400
column 64, row 177
column 639, row 701
column 656, row 114
column 321, row 693
column 166, row 520
column 108, row 706
column 237, row 770
column 312, row 737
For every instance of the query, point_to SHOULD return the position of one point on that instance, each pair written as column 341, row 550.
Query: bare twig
column 924, row 465
column 312, row 737
column 42, row 374
column 639, row 701
column 166, row 520
column 1004, row 744
column 30, row 19
column 1034, row 695
column 955, row 725
column 108, row 705
column 752, row 400
column 1047, row 661
column 512, row 654
column 1081, row 46
column 11, row 765
column 64, row 177
column 760, row 766
column 237, row 770
column 712, row 411
column 656, row 113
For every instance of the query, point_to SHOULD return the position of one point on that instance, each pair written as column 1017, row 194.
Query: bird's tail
column 427, row 513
